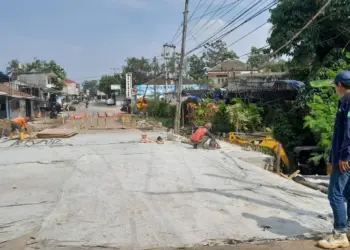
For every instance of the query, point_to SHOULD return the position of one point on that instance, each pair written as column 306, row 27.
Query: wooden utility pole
column 181, row 64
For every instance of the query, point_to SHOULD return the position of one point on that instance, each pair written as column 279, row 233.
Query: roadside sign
column 115, row 87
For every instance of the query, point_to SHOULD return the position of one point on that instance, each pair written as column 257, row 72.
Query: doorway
column 28, row 108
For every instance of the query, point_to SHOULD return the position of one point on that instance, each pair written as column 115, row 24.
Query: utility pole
column 166, row 52
column 114, row 70
column 179, row 86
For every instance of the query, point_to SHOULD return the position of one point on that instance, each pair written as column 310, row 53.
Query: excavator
column 266, row 141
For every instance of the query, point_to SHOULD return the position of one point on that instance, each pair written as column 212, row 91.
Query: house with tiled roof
column 70, row 87
column 220, row 74
column 14, row 103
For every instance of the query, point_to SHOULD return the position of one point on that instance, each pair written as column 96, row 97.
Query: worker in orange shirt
column 19, row 123
column 202, row 135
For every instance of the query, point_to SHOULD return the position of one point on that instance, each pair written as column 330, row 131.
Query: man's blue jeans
column 338, row 192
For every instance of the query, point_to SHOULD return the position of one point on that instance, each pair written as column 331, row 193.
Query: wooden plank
column 57, row 133
column 294, row 174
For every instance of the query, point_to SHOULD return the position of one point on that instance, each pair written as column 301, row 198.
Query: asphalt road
column 110, row 190
column 97, row 106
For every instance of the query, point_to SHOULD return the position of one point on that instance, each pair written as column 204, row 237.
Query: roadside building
column 14, row 103
column 220, row 74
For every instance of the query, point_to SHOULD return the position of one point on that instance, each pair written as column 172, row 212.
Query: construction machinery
column 260, row 141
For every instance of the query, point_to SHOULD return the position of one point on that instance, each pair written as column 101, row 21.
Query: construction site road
column 110, row 190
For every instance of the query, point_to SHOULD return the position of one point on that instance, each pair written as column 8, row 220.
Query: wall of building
column 39, row 80
column 17, row 107
column 70, row 89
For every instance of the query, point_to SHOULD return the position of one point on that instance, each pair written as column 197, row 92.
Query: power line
column 210, row 25
column 239, row 15
column 222, row 8
column 202, row 15
column 247, row 34
column 178, row 30
column 329, row 39
column 303, row 28
column 212, row 17
column 231, row 30
column 241, row 37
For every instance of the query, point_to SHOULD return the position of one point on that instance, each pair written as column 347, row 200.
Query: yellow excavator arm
column 268, row 142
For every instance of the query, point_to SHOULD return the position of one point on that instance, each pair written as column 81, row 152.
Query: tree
column 275, row 66
column 323, row 106
column 42, row 66
column 244, row 116
column 173, row 63
column 196, row 67
column 140, row 68
column 14, row 67
column 156, row 68
column 107, row 81
column 257, row 58
column 90, row 85
column 328, row 34
column 217, row 52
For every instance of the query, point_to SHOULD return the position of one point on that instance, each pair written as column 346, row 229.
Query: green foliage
column 257, row 58
column 196, row 67
column 288, row 129
column 91, row 85
column 140, row 69
column 14, row 67
column 323, row 107
column 321, row 118
column 42, row 66
column 327, row 33
column 276, row 66
column 244, row 116
column 220, row 121
column 162, row 109
column 106, row 82
column 217, row 52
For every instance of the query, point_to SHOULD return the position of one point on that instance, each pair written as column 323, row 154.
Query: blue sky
column 89, row 37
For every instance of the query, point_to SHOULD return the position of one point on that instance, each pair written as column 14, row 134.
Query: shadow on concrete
column 275, row 202
column 279, row 226
column 287, row 190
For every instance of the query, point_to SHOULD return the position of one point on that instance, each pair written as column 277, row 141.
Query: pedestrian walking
column 339, row 186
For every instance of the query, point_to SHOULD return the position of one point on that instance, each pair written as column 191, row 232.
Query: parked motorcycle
column 53, row 114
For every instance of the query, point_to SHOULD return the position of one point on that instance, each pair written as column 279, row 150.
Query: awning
column 3, row 93
column 293, row 83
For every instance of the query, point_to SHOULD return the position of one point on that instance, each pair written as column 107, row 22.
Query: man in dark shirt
column 339, row 186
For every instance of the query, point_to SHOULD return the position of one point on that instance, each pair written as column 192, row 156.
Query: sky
column 90, row 37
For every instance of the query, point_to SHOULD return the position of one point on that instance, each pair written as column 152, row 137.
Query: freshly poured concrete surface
column 130, row 195
column 28, row 193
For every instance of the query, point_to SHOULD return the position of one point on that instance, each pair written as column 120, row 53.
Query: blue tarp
column 295, row 84
column 4, row 78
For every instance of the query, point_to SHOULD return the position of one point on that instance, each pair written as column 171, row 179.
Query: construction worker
column 19, row 123
column 201, row 136
column 339, row 185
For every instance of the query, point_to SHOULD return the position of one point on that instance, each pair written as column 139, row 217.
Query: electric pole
column 179, row 86
column 114, row 70
column 167, row 51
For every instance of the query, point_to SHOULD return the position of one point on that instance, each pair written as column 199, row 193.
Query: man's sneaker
column 334, row 241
